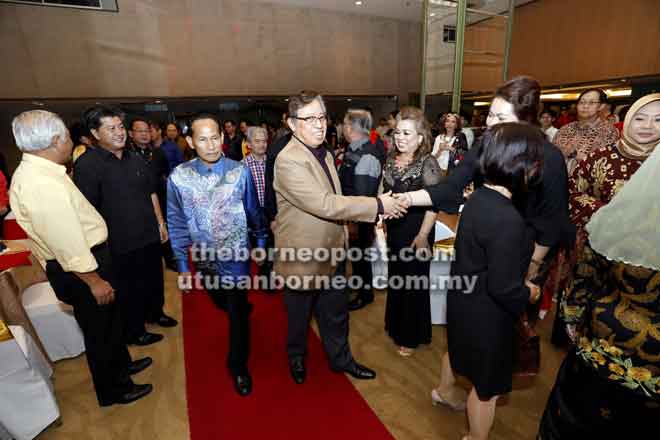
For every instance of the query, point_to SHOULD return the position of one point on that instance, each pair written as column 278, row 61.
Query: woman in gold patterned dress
column 609, row 384
column 597, row 179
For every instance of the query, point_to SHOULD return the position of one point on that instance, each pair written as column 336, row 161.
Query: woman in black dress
column 493, row 245
column 410, row 167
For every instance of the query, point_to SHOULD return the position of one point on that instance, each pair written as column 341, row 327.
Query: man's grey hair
column 34, row 130
column 360, row 120
column 253, row 131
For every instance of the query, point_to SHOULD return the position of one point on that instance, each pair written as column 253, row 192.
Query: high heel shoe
column 436, row 400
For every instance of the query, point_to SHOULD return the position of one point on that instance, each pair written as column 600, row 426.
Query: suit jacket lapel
column 329, row 161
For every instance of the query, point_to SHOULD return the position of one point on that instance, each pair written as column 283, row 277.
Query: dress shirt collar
column 44, row 164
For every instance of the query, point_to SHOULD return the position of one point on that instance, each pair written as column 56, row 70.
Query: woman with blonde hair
column 410, row 167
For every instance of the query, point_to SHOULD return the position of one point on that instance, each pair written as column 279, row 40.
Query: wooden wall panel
column 568, row 41
column 484, row 54
column 203, row 47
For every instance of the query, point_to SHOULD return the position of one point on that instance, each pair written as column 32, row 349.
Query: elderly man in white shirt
column 71, row 236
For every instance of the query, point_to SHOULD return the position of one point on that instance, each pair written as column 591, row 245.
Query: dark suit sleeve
column 447, row 196
column 270, row 201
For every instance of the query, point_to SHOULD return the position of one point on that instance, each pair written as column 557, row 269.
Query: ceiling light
column 618, row 93
column 432, row 14
column 358, row 3
column 560, row 96
column 481, row 103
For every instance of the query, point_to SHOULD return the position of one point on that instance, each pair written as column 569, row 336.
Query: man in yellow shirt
column 71, row 236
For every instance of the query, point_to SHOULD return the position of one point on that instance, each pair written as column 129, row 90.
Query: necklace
column 500, row 189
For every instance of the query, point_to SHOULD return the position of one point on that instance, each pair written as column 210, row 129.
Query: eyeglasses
column 322, row 119
column 589, row 103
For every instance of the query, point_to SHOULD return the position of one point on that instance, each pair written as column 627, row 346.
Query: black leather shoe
column 243, row 384
column 359, row 303
column 146, row 338
column 165, row 321
column 360, row 371
column 136, row 366
column 297, row 369
column 135, row 393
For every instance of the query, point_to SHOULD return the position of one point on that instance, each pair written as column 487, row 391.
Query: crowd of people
column 569, row 212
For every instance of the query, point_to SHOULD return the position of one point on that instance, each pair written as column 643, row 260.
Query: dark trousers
column 362, row 267
column 168, row 254
column 140, row 277
column 101, row 326
column 331, row 312
column 235, row 302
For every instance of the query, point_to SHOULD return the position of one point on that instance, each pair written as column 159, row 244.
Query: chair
column 27, row 401
column 54, row 322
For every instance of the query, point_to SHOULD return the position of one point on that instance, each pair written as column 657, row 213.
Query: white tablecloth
column 27, row 401
column 439, row 272
column 440, row 267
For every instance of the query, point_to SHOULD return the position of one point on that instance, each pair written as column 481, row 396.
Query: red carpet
column 326, row 406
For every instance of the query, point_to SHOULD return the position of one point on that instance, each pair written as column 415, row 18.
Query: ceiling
column 408, row 10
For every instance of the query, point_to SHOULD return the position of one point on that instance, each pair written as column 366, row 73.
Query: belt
column 99, row 247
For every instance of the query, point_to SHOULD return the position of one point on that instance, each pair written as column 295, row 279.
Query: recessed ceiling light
column 358, row 3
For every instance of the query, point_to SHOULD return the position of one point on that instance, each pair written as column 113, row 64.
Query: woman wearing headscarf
column 597, row 179
column 609, row 384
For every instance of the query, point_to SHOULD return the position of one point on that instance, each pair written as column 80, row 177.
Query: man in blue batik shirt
column 212, row 202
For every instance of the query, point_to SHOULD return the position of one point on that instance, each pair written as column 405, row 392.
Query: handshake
column 395, row 205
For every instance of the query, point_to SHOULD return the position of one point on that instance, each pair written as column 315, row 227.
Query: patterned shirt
column 214, row 207
column 258, row 170
column 574, row 138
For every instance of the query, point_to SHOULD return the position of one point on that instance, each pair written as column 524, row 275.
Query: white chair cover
column 54, row 322
column 27, row 401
